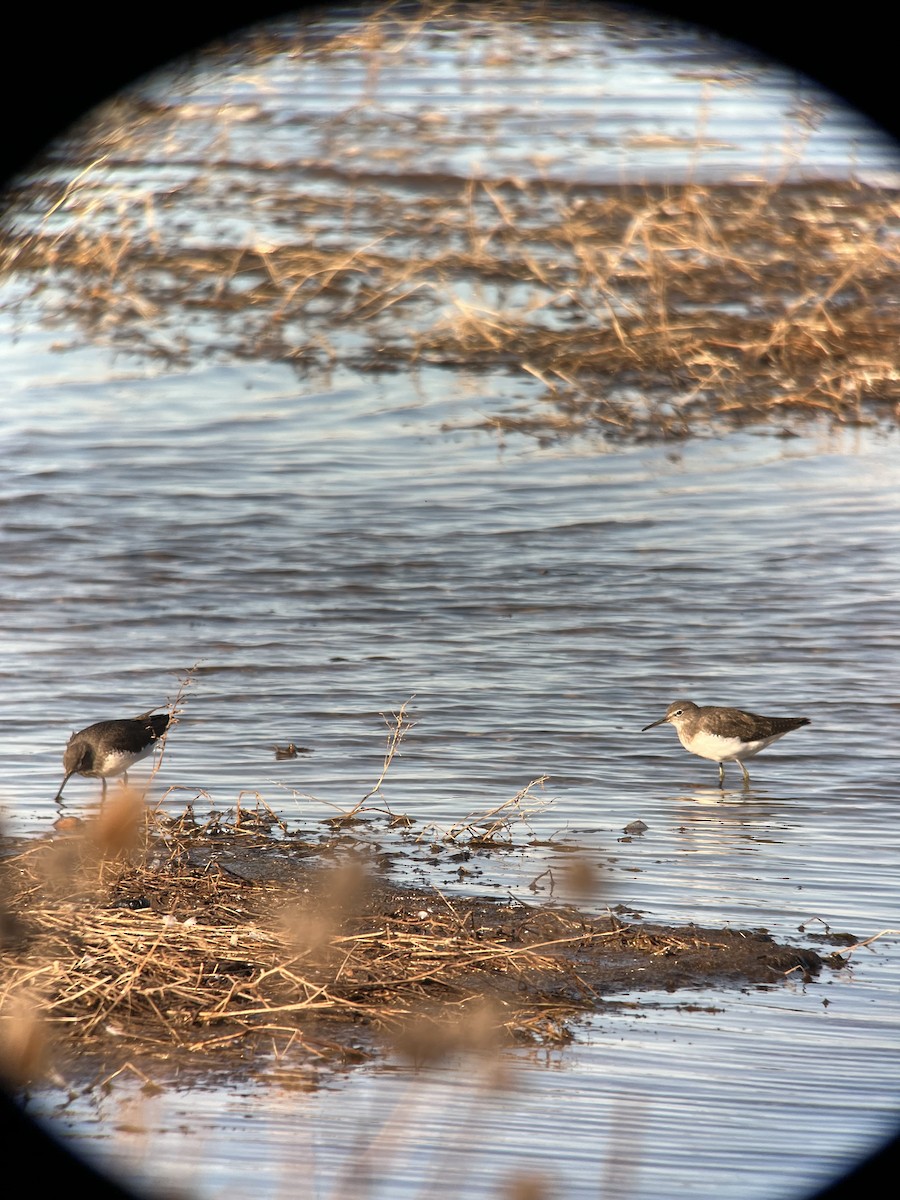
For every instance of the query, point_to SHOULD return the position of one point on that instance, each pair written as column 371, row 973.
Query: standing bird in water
column 111, row 747
column 725, row 734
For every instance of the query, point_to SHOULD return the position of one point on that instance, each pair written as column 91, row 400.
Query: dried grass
column 161, row 948
column 224, row 942
column 147, row 941
column 640, row 312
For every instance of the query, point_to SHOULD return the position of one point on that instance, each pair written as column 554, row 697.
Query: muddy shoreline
column 199, row 950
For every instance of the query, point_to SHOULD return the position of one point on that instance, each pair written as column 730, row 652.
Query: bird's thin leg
column 721, row 774
column 746, row 773
column 103, row 792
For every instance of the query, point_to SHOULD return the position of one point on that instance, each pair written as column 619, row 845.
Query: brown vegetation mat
column 171, row 946
column 635, row 312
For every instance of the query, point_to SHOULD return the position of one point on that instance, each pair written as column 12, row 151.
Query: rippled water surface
column 325, row 549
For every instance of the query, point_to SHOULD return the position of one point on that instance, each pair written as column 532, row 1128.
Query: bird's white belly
column 115, row 762
column 723, row 749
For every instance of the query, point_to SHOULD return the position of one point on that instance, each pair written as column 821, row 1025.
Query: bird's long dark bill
column 653, row 724
column 58, row 797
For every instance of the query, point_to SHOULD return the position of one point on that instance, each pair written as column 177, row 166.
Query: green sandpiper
column 110, row 747
column 725, row 734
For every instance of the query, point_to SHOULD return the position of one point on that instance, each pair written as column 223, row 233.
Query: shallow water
column 325, row 549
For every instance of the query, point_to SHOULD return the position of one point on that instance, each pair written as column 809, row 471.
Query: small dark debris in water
column 254, row 820
column 836, row 961
column 829, row 935
column 344, row 819
column 635, row 827
column 290, row 750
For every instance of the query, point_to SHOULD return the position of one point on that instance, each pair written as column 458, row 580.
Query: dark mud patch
column 192, row 954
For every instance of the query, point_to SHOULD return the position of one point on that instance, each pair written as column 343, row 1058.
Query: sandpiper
column 111, row 747
column 725, row 734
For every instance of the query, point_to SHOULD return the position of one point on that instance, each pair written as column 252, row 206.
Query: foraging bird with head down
column 109, row 748
column 725, row 734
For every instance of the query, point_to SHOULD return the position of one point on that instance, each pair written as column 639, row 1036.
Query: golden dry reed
column 630, row 312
